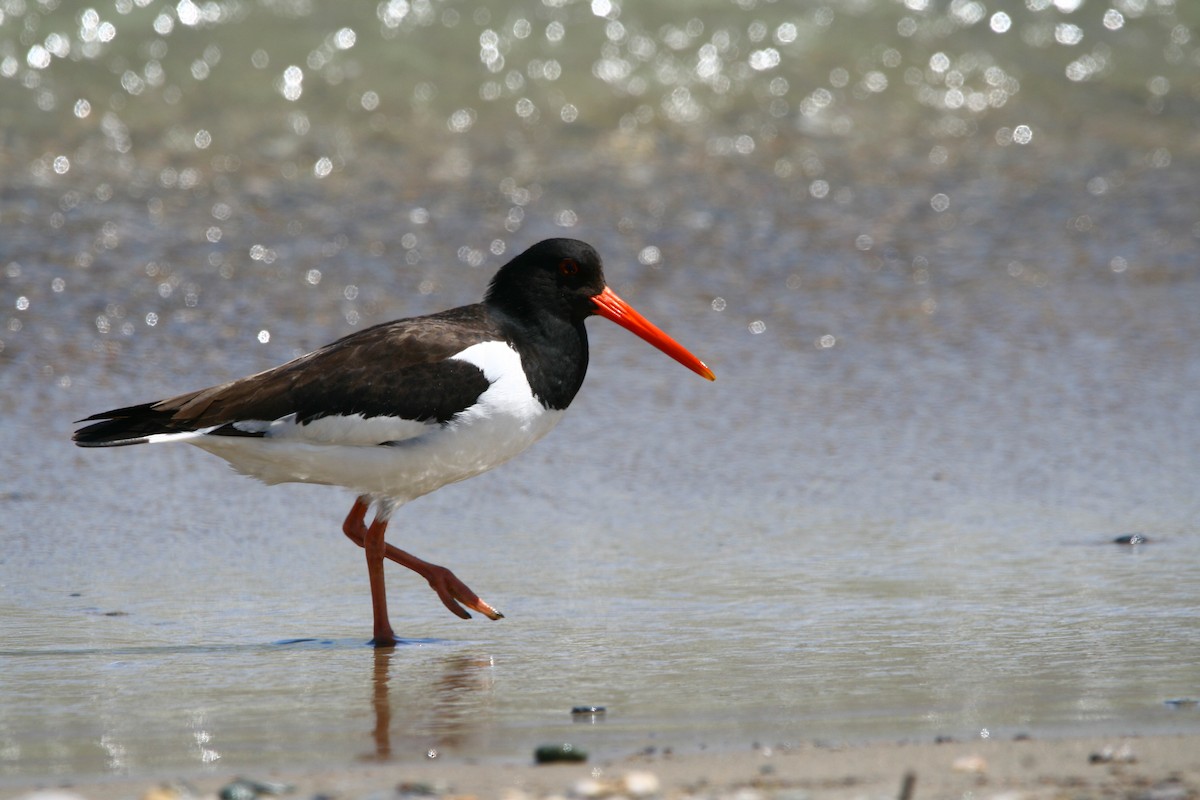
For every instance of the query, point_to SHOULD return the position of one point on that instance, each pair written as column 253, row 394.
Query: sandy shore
column 1137, row 768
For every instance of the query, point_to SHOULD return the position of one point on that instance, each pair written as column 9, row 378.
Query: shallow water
column 942, row 258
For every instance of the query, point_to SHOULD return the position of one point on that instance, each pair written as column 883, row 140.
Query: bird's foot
column 454, row 592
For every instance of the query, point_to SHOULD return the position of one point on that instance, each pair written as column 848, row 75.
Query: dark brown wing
column 401, row 369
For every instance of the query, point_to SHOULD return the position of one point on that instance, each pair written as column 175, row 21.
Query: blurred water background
column 941, row 255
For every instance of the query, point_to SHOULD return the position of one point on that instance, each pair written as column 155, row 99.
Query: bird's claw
column 452, row 592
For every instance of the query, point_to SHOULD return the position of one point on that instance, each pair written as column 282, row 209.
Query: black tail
column 124, row 426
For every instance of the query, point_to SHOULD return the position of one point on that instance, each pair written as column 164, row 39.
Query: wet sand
column 1148, row 768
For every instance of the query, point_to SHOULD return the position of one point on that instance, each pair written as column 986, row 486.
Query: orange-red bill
column 613, row 308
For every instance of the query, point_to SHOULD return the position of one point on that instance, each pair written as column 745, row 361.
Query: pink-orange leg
column 374, row 546
column 449, row 588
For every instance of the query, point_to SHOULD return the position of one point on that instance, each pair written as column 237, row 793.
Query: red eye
column 568, row 267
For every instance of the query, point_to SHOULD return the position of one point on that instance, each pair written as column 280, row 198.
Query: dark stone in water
column 559, row 753
column 1131, row 538
column 583, row 710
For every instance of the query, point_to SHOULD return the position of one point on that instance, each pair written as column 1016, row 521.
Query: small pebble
column 162, row 792
column 746, row 793
column 237, row 790
column 580, row 710
column 247, row 789
column 1169, row 789
column 1182, row 702
column 974, row 764
column 1131, row 538
column 640, row 783
column 1123, row 755
column 51, row 794
column 587, row 788
column 559, row 753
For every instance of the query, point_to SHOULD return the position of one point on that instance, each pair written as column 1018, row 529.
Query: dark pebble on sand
column 577, row 710
column 587, row 715
column 559, row 754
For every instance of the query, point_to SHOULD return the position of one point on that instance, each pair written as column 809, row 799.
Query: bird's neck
column 554, row 353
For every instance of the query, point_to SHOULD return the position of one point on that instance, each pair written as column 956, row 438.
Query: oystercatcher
column 400, row 409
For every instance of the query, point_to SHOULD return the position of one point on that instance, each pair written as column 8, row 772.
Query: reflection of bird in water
column 454, row 700
column 382, row 734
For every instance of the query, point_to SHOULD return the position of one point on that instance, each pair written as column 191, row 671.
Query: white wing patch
column 349, row 429
column 509, row 394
